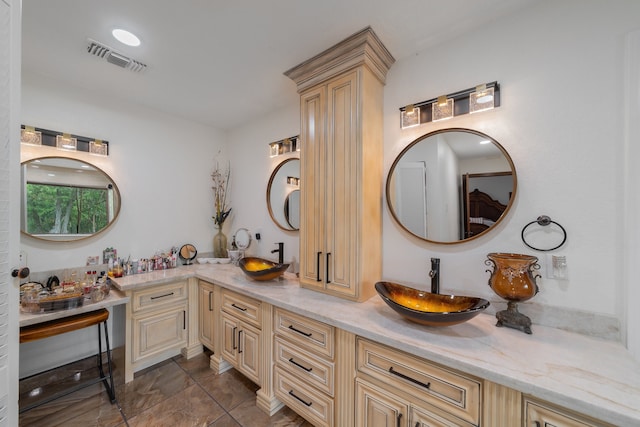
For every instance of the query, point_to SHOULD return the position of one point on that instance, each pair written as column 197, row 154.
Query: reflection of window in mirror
column 66, row 199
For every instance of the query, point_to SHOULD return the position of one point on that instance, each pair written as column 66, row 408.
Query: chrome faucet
column 280, row 252
column 435, row 275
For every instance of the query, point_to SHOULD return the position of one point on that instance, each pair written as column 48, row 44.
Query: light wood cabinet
column 304, row 376
column 241, row 321
column 542, row 414
column 341, row 166
column 157, row 325
column 206, row 314
column 417, row 391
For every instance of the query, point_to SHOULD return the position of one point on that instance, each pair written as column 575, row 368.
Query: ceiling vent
column 105, row 52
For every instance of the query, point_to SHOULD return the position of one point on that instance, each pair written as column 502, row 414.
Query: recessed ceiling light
column 124, row 36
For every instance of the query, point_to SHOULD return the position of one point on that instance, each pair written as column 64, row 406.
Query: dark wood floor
column 175, row 393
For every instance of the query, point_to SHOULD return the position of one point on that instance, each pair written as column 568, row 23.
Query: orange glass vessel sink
column 427, row 308
column 261, row 269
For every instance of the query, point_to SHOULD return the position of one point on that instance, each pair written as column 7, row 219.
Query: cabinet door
column 379, row 408
column 158, row 332
column 341, row 181
column 312, row 187
column 205, row 314
column 229, row 338
column 249, row 352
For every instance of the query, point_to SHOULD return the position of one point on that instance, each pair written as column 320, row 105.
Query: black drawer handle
column 306, row 334
column 299, row 365
column 162, row 296
column 238, row 307
column 413, row 380
column 210, row 308
column 399, row 420
column 327, row 268
column 233, row 332
column 239, row 341
column 301, row 400
column 318, row 279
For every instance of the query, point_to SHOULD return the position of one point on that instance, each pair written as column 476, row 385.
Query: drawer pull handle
column 210, row 308
column 162, row 296
column 399, row 420
column 301, row 400
column 306, row 334
column 239, row 341
column 237, row 307
column 234, row 337
column 327, row 268
column 318, row 279
column 299, row 365
column 413, row 380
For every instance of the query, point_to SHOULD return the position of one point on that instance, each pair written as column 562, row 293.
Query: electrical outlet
column 557, row 267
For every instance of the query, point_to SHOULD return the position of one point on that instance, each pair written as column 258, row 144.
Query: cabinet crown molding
column 363, row 47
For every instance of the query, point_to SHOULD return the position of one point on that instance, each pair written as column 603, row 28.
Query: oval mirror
column 283, row 195
column 451, row 185
column 66, row 199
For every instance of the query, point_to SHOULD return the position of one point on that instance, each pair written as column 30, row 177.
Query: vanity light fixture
column 442, row 109
column 63, row 141
column 29, row 135
column 473, row 100
column 66, row 142
column 293, row 180
column 284, row 146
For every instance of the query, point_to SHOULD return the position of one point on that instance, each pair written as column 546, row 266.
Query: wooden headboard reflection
column 482, row 212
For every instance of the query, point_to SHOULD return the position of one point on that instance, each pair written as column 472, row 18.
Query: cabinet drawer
column 311, row 334
column 544, row 414
column 450, row 391
column 314, row 406
column 305, row 365
column 158, row 296
column 242, row 307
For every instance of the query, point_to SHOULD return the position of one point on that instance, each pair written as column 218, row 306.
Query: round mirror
column 283, row 195
column 242, row 238
column 66, row 199
column 188, row 253
column 451, row 185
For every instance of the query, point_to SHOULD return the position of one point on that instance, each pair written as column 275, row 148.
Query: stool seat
column 60, row 326
column 69, row 324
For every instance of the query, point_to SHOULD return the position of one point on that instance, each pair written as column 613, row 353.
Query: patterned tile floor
column 174, row 393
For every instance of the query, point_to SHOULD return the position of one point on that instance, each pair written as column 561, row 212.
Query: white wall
column 560, row 66
column 161, row 165
column 252, row 167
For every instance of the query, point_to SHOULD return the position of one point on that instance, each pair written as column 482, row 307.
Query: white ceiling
column 219, row 62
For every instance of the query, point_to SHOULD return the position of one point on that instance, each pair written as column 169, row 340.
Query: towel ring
column 544, row 220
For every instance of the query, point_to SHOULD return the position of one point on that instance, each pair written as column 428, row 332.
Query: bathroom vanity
column 478, row 374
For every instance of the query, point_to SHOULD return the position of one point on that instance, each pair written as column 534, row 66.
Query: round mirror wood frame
column 97, row 199
column 281, row 208
column 447, row 188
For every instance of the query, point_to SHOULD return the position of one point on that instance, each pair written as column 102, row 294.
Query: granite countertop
column 589, row 375
column 115, row 297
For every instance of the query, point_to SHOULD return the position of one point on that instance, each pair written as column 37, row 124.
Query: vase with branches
column 220, row 177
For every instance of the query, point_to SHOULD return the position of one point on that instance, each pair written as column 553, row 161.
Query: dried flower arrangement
column 221, row 179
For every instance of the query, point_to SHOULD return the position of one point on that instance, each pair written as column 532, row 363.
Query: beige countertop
column 592, row 376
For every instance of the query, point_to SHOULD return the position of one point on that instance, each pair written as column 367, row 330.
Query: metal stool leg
column 109, row 386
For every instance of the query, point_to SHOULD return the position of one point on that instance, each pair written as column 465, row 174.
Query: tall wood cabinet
column 341, row 95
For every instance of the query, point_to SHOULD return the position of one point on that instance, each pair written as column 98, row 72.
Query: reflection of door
column 485, row 198
column 411, row 196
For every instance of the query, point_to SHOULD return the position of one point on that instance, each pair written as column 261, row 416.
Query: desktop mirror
column 66, row 199
column 451, row 185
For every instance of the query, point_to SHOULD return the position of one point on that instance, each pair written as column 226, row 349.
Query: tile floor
column 175, row 393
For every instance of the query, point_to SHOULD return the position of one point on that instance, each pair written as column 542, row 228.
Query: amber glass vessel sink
column 261, row 269
column 427, row 308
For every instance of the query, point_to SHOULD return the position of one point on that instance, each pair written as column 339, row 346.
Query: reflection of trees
column 55, row 209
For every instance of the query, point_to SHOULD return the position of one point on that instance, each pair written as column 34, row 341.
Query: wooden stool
column 68, row 324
